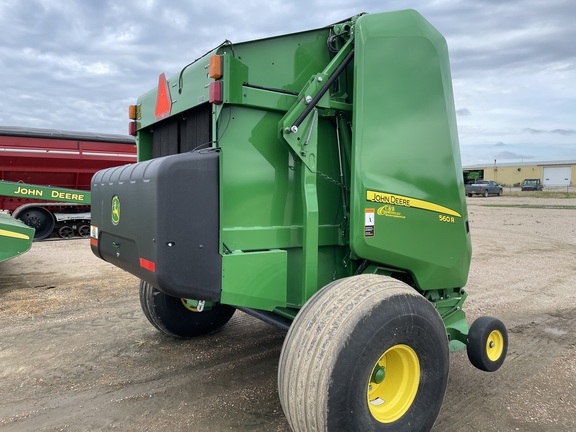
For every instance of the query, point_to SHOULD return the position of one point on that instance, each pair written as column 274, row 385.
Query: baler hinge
column 297, row 128
column 313, row 101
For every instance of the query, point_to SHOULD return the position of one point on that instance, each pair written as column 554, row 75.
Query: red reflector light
column 163, row 101
column 148, row 265
column 215, row 70
column 94, row 242
column 132, row 128
column 215, row 95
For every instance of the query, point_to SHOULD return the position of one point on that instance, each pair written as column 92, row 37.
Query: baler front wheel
column 169, row 315
column 487, row 344
column 364, row 353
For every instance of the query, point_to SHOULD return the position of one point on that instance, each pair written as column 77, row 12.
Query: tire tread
column 310, row 347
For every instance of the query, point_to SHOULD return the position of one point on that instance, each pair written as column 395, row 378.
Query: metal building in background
column 555, row 174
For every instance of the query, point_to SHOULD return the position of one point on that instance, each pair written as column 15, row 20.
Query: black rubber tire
column 335, row 340
column 469, row 195
column 40, row 219
column 480, row 331
column 500, row 192
column 171, row 317
column 486, row 194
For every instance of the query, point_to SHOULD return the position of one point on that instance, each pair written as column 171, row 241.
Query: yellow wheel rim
column 494, row 345
column 393, row 383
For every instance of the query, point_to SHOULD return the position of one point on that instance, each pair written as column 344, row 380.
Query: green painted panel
column 261, row 202
column 261, row 98
column 275, row 237
column 255, row 279
column 44, row 193
column 15, row 237
column 406, row 151
column 285, row 62
column 260, row 181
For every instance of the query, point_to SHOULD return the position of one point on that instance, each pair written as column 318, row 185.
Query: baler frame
column 316, row 150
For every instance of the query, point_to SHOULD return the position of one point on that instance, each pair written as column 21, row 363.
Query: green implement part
column 15, row 237
column 44, row 193
column 35, row 214
column 314, row 181
column 325, row 157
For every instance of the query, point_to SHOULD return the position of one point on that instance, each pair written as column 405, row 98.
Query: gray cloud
column 511, row 155
column 564, row 132
column 509, row 35
column 77, row 65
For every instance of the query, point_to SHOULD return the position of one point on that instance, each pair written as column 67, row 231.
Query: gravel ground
column 77, row 354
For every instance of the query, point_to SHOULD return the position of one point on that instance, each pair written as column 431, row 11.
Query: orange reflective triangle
column 163, row 101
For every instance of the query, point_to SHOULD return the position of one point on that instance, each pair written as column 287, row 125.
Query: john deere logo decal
column 115, row 210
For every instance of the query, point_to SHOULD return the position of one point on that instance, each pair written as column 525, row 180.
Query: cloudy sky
column 77, row 64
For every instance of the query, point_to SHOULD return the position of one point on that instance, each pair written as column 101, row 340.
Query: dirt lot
column 77, row 354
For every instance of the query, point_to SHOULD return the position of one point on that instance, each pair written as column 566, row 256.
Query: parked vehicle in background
column 484, row 187
column 532, row 185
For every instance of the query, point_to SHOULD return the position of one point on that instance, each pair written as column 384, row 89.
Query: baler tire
column 339, row 339
column 170, row 316
column 147, row 290
column 487, row 344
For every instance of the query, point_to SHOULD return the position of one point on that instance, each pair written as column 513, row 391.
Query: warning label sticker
column 369, row 222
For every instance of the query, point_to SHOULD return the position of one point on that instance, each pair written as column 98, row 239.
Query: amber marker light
column 132, row 112
column 215, row 69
